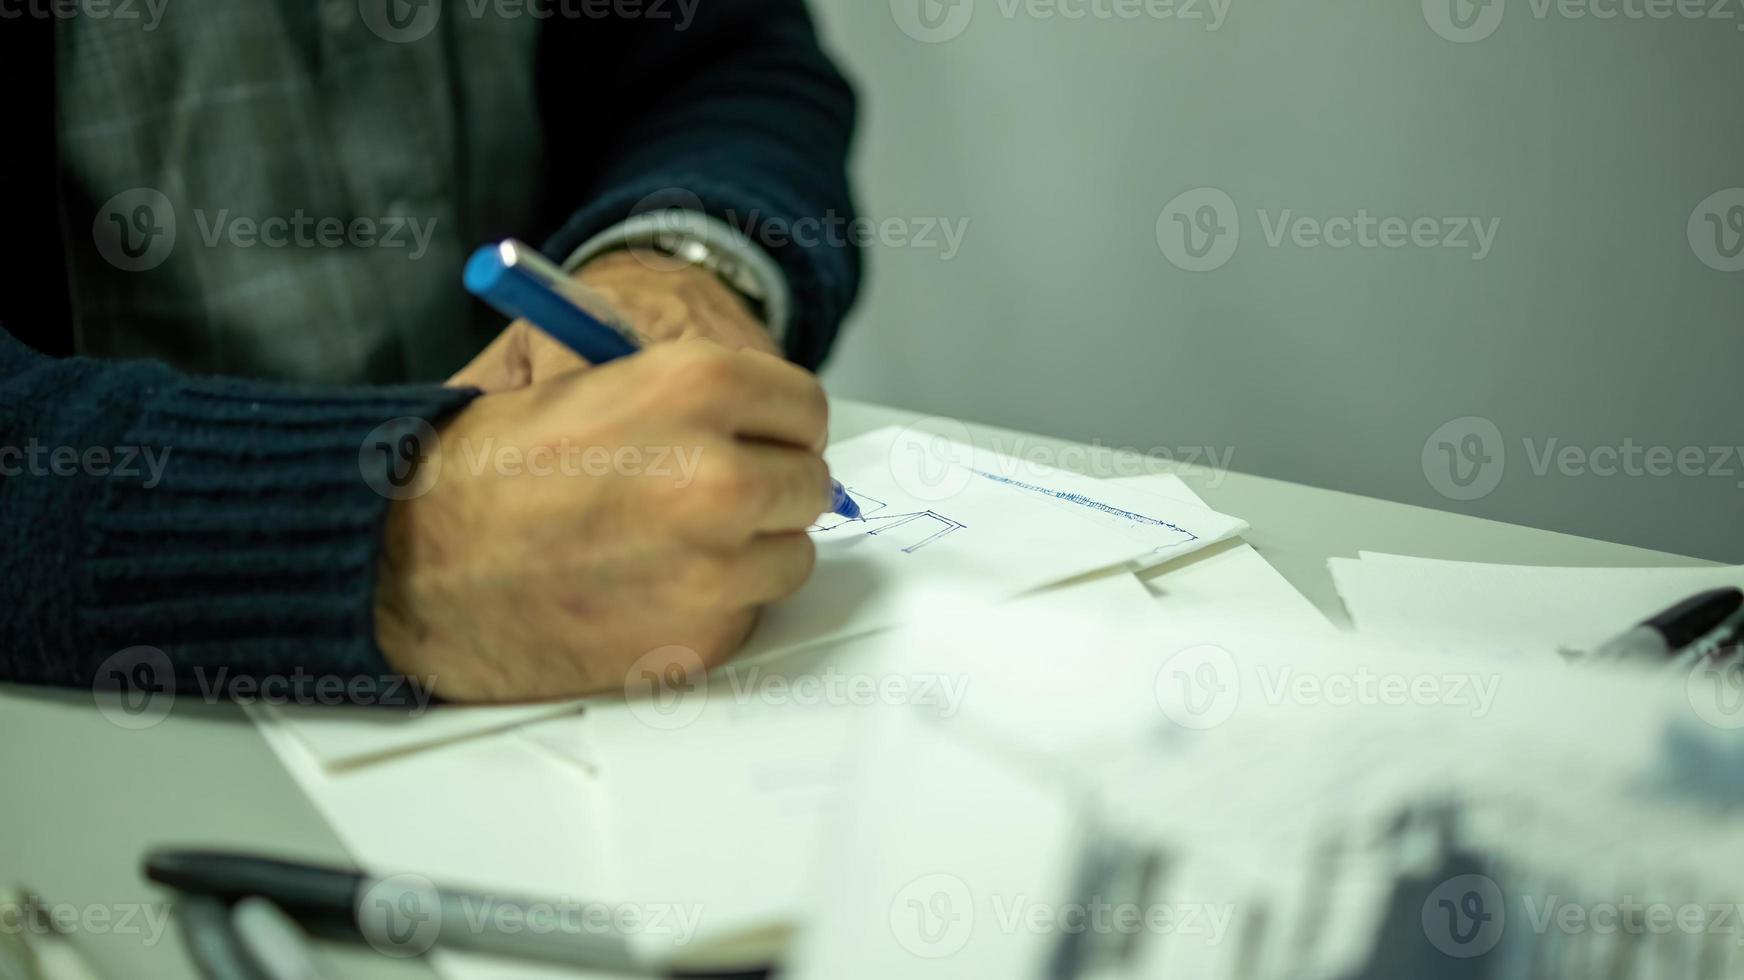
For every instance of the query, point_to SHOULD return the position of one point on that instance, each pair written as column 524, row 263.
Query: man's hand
column 675, row 492
column 645, row 291
column 664, row 301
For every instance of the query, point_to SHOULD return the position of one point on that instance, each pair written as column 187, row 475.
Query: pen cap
column 518, row 282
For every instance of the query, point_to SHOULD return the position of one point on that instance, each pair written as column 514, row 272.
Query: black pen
column 1666, row 634
column 1716, row 645
column 404, row 911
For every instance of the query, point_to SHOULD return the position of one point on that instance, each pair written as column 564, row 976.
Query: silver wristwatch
column 691, row 238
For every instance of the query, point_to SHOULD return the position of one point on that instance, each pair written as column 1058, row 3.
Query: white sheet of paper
column 1233, row 582
column 947, row 528
column 495, row 812
column 722, row 796
column 346, row 735
column 937, row 842
column 1521, row 610
column 914, row 897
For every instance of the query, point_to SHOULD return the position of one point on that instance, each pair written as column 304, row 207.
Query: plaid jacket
column 740, row 108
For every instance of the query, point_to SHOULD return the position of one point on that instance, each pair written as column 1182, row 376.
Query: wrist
column 645, row 267
column 664, row 299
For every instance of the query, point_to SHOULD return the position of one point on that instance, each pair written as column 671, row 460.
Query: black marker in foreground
column 1667, row 633
column 406, row 912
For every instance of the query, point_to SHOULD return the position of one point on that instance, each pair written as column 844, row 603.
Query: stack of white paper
column 1515, row 610
column 1291, row 797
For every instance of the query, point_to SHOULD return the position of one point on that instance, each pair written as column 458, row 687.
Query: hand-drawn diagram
column 1083, row 501
column 913, row 530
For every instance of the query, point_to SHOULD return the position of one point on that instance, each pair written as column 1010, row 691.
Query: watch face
column 692, row 251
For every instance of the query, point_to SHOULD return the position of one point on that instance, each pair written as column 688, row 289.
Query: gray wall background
column 1607, row 315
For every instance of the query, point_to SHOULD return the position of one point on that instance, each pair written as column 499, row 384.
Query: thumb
column 546, row 358
column 501, row 366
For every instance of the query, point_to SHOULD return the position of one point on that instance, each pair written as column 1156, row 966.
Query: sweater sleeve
column 728, row 108
column 233, row 525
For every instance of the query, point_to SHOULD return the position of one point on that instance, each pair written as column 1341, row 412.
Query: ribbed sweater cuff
column 249, row 541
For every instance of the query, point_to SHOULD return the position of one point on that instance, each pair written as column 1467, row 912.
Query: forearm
column 230, row 524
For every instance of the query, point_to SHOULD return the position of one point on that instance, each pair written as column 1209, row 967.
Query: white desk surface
column 85, row 799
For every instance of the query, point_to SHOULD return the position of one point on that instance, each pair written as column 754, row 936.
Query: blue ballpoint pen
column 519, row 282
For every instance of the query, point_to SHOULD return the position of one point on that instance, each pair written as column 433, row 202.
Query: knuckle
column 735, row 487
column 702, row 371
column 706, row 580
column 800, row 567
column 818, row 409
column 811, row 488
column 694, row 506
column 820, row 479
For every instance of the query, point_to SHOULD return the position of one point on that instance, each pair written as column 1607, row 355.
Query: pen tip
column 844, row 504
